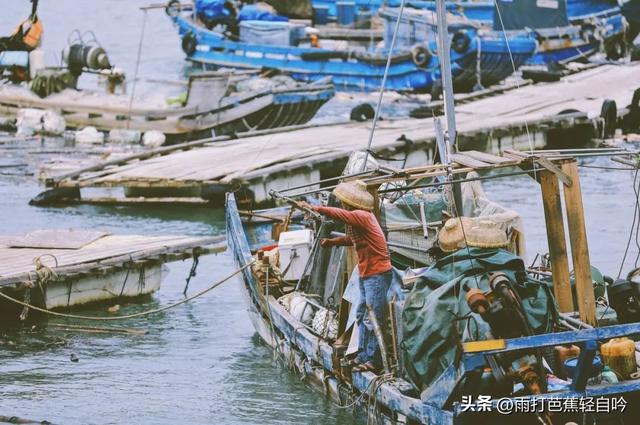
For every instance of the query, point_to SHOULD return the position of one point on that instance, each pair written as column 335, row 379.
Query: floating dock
column 566, row 113
column 64, row 268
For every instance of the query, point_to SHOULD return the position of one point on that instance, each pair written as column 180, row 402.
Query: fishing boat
column 63, row 268
column 437, row 370
column 353, row 66
column 589, row 25
column 498, row 55
column 470, row 336
column 579, row 29
column 210, row 103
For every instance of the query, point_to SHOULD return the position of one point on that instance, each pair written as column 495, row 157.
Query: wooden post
column 556, row 240
column 579, row 247
column 351, row 261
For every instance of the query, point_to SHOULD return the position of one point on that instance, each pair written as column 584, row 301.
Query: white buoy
column 89, row 135
column 29, row 121
column 153, row 138
column 53, row 123
column 122, row 136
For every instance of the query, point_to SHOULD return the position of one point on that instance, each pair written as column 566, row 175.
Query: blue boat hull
column 495, row 62
column 600, row 18
column 350, row 74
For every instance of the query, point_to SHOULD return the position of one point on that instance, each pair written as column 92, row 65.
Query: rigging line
column 633, row 225
column 128, row 316
column 382, row 85
column 517, row 79
column 636, row 190
column 139, row 56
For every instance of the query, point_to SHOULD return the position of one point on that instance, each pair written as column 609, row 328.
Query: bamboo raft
column 63, row 268
column 516, row 119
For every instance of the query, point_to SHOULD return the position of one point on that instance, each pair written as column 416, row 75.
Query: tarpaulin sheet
column 534, row 14
column 430, row 330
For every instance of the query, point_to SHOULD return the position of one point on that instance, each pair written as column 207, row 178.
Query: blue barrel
column 571, row 364
column 346, row 12
column 321, row 15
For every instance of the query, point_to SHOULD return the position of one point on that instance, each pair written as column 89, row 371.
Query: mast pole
column 445, row 69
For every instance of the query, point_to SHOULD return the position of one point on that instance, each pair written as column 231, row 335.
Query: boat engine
column 83, row 54
column 624, row 297
column 502, row 310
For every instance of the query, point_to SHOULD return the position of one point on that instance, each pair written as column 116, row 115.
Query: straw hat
column 487, row 235
column 354, row 193
column 451, row 236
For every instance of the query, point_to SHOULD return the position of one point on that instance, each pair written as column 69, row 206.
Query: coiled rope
column 128, row 316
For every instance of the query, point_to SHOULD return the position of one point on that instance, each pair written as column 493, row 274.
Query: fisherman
column 364, row 232
column 27, row 35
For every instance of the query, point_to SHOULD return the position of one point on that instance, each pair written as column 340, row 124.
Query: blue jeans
column 373, row 291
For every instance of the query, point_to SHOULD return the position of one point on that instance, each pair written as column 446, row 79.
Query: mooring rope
column 376, row 116
column 128, row 316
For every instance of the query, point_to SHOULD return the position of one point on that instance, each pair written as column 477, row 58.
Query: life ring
column 460, row 42
column 172, row 9
column 189, row 43
column 420, row 55
column 362, row 112
column 609, row 115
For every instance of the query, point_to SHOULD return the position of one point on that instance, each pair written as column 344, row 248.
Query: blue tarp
column 430, row 329
column 252, row 12
column 211, row 9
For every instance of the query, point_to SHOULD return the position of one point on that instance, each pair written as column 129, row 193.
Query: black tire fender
column 460, row 41
column 189, row 43
column 172, row 9
column 609, row 115
column 420, row 55
column 362, row 112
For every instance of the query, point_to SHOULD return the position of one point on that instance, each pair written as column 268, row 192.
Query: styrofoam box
column 295, row 249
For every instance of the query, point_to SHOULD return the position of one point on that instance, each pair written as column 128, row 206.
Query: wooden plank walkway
column 17, row 264
column 287, row 159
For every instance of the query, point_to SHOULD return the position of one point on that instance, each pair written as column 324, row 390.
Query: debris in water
column 114, row 308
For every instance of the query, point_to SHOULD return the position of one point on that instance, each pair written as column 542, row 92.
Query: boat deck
column 516, row 119
column 71, row 253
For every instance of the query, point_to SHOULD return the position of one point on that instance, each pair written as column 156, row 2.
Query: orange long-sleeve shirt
column 363, row 231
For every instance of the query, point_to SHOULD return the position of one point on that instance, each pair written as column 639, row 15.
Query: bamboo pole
column 579, row 247
column 556, row 240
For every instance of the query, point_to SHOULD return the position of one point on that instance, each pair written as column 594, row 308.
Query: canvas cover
column 430, row 331
column 268, row 33
column 533, row 14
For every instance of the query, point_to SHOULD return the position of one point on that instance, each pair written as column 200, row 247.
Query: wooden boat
column 352, row 67
column 57, row 269
column 592, row 23
column 313, row 336
column 215, row 103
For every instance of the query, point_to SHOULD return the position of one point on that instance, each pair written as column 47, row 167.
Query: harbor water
column 200, row 363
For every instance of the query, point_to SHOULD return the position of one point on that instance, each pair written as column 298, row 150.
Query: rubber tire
column 616, row 49
column 609, row 113
column 631, row 121
column 362, row 112
column 189, row 43
column 420, row 55
column 460, row 42
column 172, row 9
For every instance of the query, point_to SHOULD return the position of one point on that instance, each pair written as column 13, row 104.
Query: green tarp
column 431, row 331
